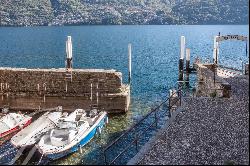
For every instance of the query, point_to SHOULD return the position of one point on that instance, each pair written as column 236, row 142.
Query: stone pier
column 31, row 89
column 210, row 84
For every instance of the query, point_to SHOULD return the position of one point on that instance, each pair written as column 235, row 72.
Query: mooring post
column 216, row 50
column 188, row 60
column 187, row 65
column 181, row 61
column 69, row 53
column 129, row 63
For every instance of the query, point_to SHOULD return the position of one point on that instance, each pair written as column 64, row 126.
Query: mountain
column 78, row 12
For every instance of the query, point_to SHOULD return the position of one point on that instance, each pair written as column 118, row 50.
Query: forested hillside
column 76, row 12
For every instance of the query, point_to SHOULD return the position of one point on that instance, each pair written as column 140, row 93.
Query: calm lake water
column 155, row 55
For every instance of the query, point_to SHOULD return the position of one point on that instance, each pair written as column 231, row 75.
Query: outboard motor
column 5, row 110
column 93, row 113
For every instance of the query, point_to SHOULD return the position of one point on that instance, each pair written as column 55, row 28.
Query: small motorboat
column 13, row 122
column 71, row 133
column 32, row 133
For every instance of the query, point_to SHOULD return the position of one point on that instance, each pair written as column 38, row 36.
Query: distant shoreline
column 18, row 26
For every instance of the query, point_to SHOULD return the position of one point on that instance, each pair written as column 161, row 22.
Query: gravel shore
column 208, row 131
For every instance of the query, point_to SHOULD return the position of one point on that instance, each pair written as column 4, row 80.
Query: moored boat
column 71, row 133
column 13, row 122
column 32, row 133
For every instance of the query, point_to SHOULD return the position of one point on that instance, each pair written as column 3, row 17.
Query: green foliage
column 75, row 12
column 229, row 162
column 213, row 94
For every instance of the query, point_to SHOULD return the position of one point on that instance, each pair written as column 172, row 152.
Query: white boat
column 71, row 133
column 32, row 133
column 13, row 122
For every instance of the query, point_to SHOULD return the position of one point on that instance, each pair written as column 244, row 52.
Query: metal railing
column 136, row 139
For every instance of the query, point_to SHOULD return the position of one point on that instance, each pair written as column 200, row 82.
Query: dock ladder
column 68, row 74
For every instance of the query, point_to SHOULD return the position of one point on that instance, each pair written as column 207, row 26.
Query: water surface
column 155, row 54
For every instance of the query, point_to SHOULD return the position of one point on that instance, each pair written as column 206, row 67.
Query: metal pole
column 242, row 66
column 91, row 95
column 97, row 95
column 66, row 87
column 97, row 100
column 169, row 109
column 180, row 96
column 215, row 54
column 246, row 48
column 136, row 143
column 156, row 119
column 214, row 74
column 105, row 158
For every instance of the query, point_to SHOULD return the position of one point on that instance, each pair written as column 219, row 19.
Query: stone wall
column 33, row 88
column 210, row 84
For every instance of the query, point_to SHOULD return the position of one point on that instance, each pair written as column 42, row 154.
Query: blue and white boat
column 72, row 132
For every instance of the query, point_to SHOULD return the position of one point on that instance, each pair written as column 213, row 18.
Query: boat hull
column 81, row 143
column 15, row 129
column 32, row 133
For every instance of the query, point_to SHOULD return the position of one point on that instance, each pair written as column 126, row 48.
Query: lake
column 155, row 55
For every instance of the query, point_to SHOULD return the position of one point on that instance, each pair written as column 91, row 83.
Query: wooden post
column 181, row 61
column 187, row 65
column 129, row 63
